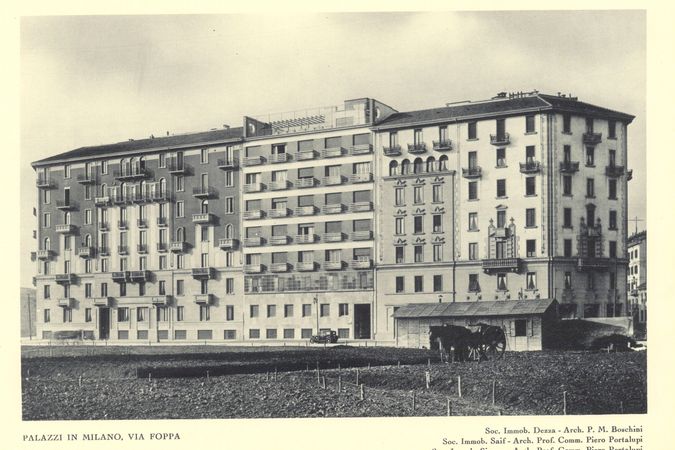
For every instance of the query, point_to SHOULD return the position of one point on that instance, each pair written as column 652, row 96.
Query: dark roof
column 498, row 106
column 474, row 309
column 157, row 143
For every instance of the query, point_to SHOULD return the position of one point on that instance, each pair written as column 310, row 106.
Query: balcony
column 305, row 210
column 253, row 214
column 176, row 166
column 530, row 167
column 66, row 229
column 614, row 170
column 392, row 151
column 64, row 278
column 203, row 272
column 590, row 138
column 305, row 238
column 592, row 264
column 279, row 240
column 160, row 300
column 333, row 181
column 131, row 173
column 102, row 201
column 333, row 237
column 103, row 226
column 122, row 224
column 122, row 249
column 569, row 166
column 361, row 206
column 105, row 302
column 67, row 302
column 253, row 187
column 255, row 241
column 253, row 161
column 227, row 243
column 202, row 218
column 334, row 152
column 472, row 172
column 204, row 192
column 305, row 155
column 361, row 178
column 501, row 265
column 103, row 251
column 307, row 182
column 362, row 235
column 66, row 205
column 158, row 196
column 333, row 209
column 142, row 223
column 361, row 149
column 120, row 277
column 162, row 247
column 443, row 145
column 362, row 263
column 142, row 248
column 253, row 268
column 87, row 178
column 277, row 212
column 178, row 247
column 417, row 148
column 118, row 198
column 279, row 267
column 228, row 164
column 305, row 266
column 85, row 252
column 162, row 222
column 279, row 185
column 279, row 158
column 204, row 299
column 332, row 265
column 43, row 182
column 44, row 254
column 500, row 139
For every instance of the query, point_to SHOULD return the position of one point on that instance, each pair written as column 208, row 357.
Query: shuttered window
column 362, row 225
column 333, row 142
column 333, row 198
column 306, row 172
column 305, row 146
column 361, row 139
column 362, row 196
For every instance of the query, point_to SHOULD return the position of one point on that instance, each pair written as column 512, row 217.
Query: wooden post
column 323, row 382
column 449, row 407
column 357, row 376
column 398, row 363
column 339, row 383
column 494, row 384
column 565, row 403
column 459, row 386
column 267, row 375
column 362, row 393
column 28, row 374
column 207, row 375
column 79, row 381
column 427, row 378
column 149, row 377
column 621, row 407
column 275, row 374
column 369, row 365
column 413, row 400
column 429, row 363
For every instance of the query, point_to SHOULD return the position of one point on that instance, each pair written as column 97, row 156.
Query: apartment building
column 637, row 276
column 332, row 218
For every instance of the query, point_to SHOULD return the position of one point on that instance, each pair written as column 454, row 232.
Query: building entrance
column 362, row 321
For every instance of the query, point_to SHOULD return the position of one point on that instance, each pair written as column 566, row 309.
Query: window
column 180, row 183
column 418, row 194
column 399, row 254
column 473, row 251
column 530, row 187
column 400, row 284
column 531, row 280
column 567, row 217
column 501, row 157
column 254, row 311
column 67, row 315
column 473, row 283
column 229, row 286
column 612, row 280
column 501, row 281
column 229, row 205
column 590, row 156
column 180, row 261
column 324, row 310
column 271, row 333
column 288, row 310
column 567, row 250
column 104, row 167
column 437, row 252
column 46, row 316
column 123, row 289
column 399, row 225
column 204, row 286
column 141, row 314
column 611, row 131
column 46, row 293
column 531, row 248
column 419, row 253
column 46, row 196
column 123, row 314
column 501, row 218
column 204, row 155
column 180, row 285
column 568, row 280
column 529, row 124
column 46, row 220
column 612, row 249
column 254, row 333
column 530, row 217
column 438, row 283
column 271, row 310
column 590, row 281
column 473, row 221
column 180, row 313
column 343, row 309
column 612, row 219
column 419, row 283
column 418, row 224
column 87, row 290
column 567, row 185
column 520, row 327
column 87, row 192
column 473, row 190
column 501, row 188
column 590, row 187
column 306, row 309
column 567, row 121
column 204, row 313
column 472, row 132
column 437, row 223
column 204, row 233
column 399, row 197
column 180, row 209
column 612, row 189
column 437, row 193
column 66, row 171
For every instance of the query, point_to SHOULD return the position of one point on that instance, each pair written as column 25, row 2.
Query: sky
column 88, row 80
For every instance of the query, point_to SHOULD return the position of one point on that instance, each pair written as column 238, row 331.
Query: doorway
column 103, row 323
column 362, row 321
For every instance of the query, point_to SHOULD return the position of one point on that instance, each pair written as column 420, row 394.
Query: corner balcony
column 569, row 166
column 227, row 243
column 362, row 264
column 305, row 210
column 102, row 201
column 204, row 299
column 142, row 223
column 253, row 161
column 64, row 278
column 590, row 138
column 253, row 187
column 66, row 205
column 305, row 266
column 178, row 246
column 253, row 268
column 85, row 252
column 44, row 254
column 334, row 152
column 256, row 241
column 333, row 181
column 392, row 151
column 333, row 209
column 333, row 237
column 228, row 164
column 530, row 167
column 361, row 178
column 305, row 155
column 203, row 272
column 252, row 215
column 139, row 275
column 142, row 249
column 203, row 218
column 307, row 182
column 120, row 277
column 279, row 240
column 87, row 178
column 204, row 192
column 501, row 265
column 443, row 145
column 131, row 173
column 333, row 265
column 472, row 172
column 305, row 238
column 66, row 229
column 500, row 139
column 67, row 302
column 279, row 267
column 160, row 300
column 279, row 158
column 361, row 207
column 418, row 148
column 614, row 171
column 43, row 182
column 277, row 212
column 361, row 149
column 122, row 249
column 592, row 264
column 362, row 235
column 105, row 302
column 279, row 185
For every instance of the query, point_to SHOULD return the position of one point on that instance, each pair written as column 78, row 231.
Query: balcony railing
column 333, row 152
column 203, row 272
column 333, row 237
column 142, row 223
column 305, row 155
column 44, row 254
column 279, row 267
column 253, row 187
column 204, row 192
column 176, row 166
column 279, row 240
column 361, row 149
column 142, row 248
column 253, row 268
column 228, row 164
column 305, row 266
column 530, row 167
column 592, row 264
column 332, row 265
column 178, row 246
column 66, row 229
column 392, row 151
column 472, row 172
column 361, row 206
column 305, row 210
column 253, row 161
column 501, row 265
column 64, row 278
column 102, row 201
column 614, row 170
column 333, row 180
column 279, row 185
column 122, row 224
column 253, row 214
column 162, row 247
column 66, row 302
column 277, row 212
column 131, row 173
column 122, row 249
column 158, row 196
column 500, row 139
column 306, row 182
column 43, row 182
column 103, row 226
column 162, row 222
column 202, row 218
column 362, row 263
column 361, row 177
column 87, row 178
column 333, row 209
column 569, row 166
column 105, row 302
column 279, row 158
column 103, row 251
column 443, row 145
column 227, row 243
column 160, row 300
column 305, row 238
column 362, row 235
column 85, row 252
column 204, row 299
column 591, row 138
column 139, row 275
column 66, row 205
column 256, row 241
column 120, row 277
column 417, row 148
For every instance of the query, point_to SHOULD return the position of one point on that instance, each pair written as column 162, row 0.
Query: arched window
column 66, row 218
column 162, row 186
column 405, row 167
column 418, row 165
column 87, row 240
column 205, row 206
column 46, row 244
column 143, row 188
column 180, row 234
column 228, row 231
column 443, row 162
column 431, row 164
column 393, row 168
column 141, row 162
column 104, row 190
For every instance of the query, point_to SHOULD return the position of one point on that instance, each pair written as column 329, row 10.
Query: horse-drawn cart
column 476, row 343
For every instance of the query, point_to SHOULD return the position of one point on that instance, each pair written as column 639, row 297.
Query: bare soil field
column 249, row 382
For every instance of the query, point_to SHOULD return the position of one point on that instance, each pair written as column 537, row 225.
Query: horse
column 451, row 337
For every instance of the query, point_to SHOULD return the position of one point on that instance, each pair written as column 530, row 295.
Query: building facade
column 637, row 277
column 333, row 218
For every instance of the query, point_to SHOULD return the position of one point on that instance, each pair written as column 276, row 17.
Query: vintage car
column 325, row 337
